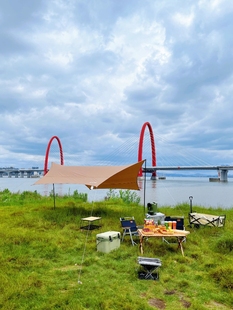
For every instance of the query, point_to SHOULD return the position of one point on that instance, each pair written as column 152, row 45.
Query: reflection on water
column 153, row 183
column 171, row 191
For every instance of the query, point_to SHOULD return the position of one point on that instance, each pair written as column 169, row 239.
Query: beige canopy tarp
column 116, row 177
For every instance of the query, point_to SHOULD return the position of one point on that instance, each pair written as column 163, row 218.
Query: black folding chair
column 150, row 268
column 129, row 227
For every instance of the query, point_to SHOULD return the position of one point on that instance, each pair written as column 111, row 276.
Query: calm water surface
column 171, row 191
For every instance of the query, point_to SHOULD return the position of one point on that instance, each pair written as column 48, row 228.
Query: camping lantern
column 190, row 202
column 152, row 208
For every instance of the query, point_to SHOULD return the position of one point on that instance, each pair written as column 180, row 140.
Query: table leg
column 141, row 244
column 180, row 241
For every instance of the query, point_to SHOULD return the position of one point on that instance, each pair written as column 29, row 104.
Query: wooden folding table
column 180, row 235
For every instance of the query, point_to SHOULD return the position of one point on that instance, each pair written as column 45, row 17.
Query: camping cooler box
column 108, row 241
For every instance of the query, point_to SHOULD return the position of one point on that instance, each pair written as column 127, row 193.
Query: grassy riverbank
column 48, row 263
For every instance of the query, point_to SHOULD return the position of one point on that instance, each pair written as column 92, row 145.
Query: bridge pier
column 223, row 175
column 153, row 175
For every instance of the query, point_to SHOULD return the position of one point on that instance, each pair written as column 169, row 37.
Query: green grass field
column 47, row 262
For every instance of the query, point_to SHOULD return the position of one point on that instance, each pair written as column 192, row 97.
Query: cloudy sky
column 93, row 72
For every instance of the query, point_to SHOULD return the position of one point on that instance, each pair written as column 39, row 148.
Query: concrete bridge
column 222, row 170
column 15, row 172
column 32, row 172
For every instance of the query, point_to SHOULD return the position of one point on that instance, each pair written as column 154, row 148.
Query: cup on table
column 170, row 224
column 174, row 225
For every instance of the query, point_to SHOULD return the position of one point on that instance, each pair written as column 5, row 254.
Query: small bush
column 225, row 244
column 30, row 196
column 80, row 196
column 223, row 276
column 126, row 196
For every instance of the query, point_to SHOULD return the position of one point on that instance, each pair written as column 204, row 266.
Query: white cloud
column 93, row 73
column 185, row 20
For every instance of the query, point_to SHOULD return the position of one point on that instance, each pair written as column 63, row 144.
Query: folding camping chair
column 129, row 227
column 150, row 265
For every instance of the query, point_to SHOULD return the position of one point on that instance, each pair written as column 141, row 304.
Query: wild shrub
column 111, row 194
column 79, row 196
column 126, row 196
column 223, row 276
column 5, row 196
column 30, row 196
column 224, row 244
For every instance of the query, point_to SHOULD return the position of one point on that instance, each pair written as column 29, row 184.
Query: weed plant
column 47, row 262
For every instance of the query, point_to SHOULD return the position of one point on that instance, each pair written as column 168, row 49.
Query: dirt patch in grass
column 186, row 304
column 216, row 305
column 158, row 303
column 19, row 213
column 70, row 287
column 68, row 268
column 172, row 292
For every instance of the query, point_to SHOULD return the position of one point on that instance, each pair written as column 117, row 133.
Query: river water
column 166, row 192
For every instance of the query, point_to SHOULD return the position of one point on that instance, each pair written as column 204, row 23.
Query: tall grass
column 47, row 262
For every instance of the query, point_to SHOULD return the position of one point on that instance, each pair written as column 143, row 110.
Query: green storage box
column 108, row 241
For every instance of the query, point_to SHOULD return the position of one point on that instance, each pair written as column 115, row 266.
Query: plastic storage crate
column 108, row 241
column 179, row 221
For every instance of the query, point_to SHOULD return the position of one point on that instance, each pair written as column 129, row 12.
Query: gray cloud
column 93, row 73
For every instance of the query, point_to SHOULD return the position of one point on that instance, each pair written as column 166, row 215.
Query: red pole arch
column 152, row 141
column 47, row 153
